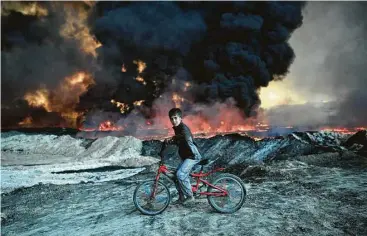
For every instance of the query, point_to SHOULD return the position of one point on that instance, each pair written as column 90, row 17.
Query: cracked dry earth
column 288, row 198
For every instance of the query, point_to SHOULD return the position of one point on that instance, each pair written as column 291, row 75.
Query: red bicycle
column 225, row 193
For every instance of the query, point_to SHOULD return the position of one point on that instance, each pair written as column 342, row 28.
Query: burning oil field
column 116, row 66
column 275, row 92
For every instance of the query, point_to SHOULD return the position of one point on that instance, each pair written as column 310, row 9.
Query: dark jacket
column 187, row 148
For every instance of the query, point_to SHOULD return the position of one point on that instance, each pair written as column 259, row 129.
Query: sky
column 330, row 51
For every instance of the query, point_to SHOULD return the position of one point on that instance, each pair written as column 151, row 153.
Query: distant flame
column 141, row 65
column 26, row 122
column 123, row 107
column 64, row 98
column 217, row 119
column 123, row 68
column 177, row 100
column 26, row 8
column 343, row 129
column 71, row 117
column 68, row 93
column 76, row 27
column 39, row 98
column 187, row 86
column 138, row 103
column 141, row 80
column 279, row 93
column 109, row 126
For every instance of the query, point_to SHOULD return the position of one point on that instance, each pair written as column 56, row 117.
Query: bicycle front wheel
column 236, row 193
column 148, row 205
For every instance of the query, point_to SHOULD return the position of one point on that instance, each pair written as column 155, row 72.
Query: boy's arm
column 171, row 140
column 188, row 138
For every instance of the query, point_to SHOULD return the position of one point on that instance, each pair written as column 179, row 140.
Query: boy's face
column 175, row 120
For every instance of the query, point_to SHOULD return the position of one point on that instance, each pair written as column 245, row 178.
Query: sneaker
column 189, row 200
column 178, row 202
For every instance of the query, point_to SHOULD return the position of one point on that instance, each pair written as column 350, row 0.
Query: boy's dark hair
column 175, row 111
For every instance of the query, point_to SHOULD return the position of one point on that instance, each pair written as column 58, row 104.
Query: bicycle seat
column 203, row 162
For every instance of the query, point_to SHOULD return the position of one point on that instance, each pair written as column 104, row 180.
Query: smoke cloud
column 197, row 54
column 331, row 55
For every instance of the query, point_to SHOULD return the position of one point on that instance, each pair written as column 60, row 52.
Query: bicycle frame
column 163, row 169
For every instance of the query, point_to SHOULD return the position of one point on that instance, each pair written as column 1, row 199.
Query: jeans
column 183, row 184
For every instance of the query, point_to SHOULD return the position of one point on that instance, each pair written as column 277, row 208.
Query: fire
column 187, row 85
column 343, row 129
column 64, row 98
column 71, row 117
column 39, row 98
column 138, row 103
column 26, row 122
column 109, row 126
column 123, row 68
column 141, row 65
column 78, row 78
column 279, row 93
column 75, row 27
column 123, row 107
column 68, row 93
column 31, row 9
column 177, row 100
column 207, row 121
column 141, row 80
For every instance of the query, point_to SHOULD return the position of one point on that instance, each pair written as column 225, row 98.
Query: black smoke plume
column 224, row 49
column 228, row 49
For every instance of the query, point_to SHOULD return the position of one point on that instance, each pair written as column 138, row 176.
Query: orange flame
column 177, row 100
column 26, row 122
column 187, row 86
column 141, row 65
column 39, row 98
column 26, row 8
column 123, row 107
column 123, row 68
column 343, row 129
column 64, row 98
column 205, row 120
column 109, row 126
column 220, row 120
column 76, row 28
column 138, row 103
column 141, row 80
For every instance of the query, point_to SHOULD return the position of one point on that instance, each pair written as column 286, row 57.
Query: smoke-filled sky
column 331, row 58
column 95, row 60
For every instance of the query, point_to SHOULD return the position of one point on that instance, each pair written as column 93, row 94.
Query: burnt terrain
column 304, row 183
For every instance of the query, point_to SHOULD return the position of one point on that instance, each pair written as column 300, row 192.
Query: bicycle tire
column 213, row 199
column 147, row 210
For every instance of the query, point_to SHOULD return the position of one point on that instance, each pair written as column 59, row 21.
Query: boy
column 188, row 152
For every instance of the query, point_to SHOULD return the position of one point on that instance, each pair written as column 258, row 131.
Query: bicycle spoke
column 143, row 197
column 235, row 190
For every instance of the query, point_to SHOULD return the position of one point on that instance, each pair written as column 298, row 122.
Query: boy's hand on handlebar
column 169, row 140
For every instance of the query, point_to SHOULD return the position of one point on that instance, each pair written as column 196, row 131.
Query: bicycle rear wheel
column 236, row 193
column 144, row 203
